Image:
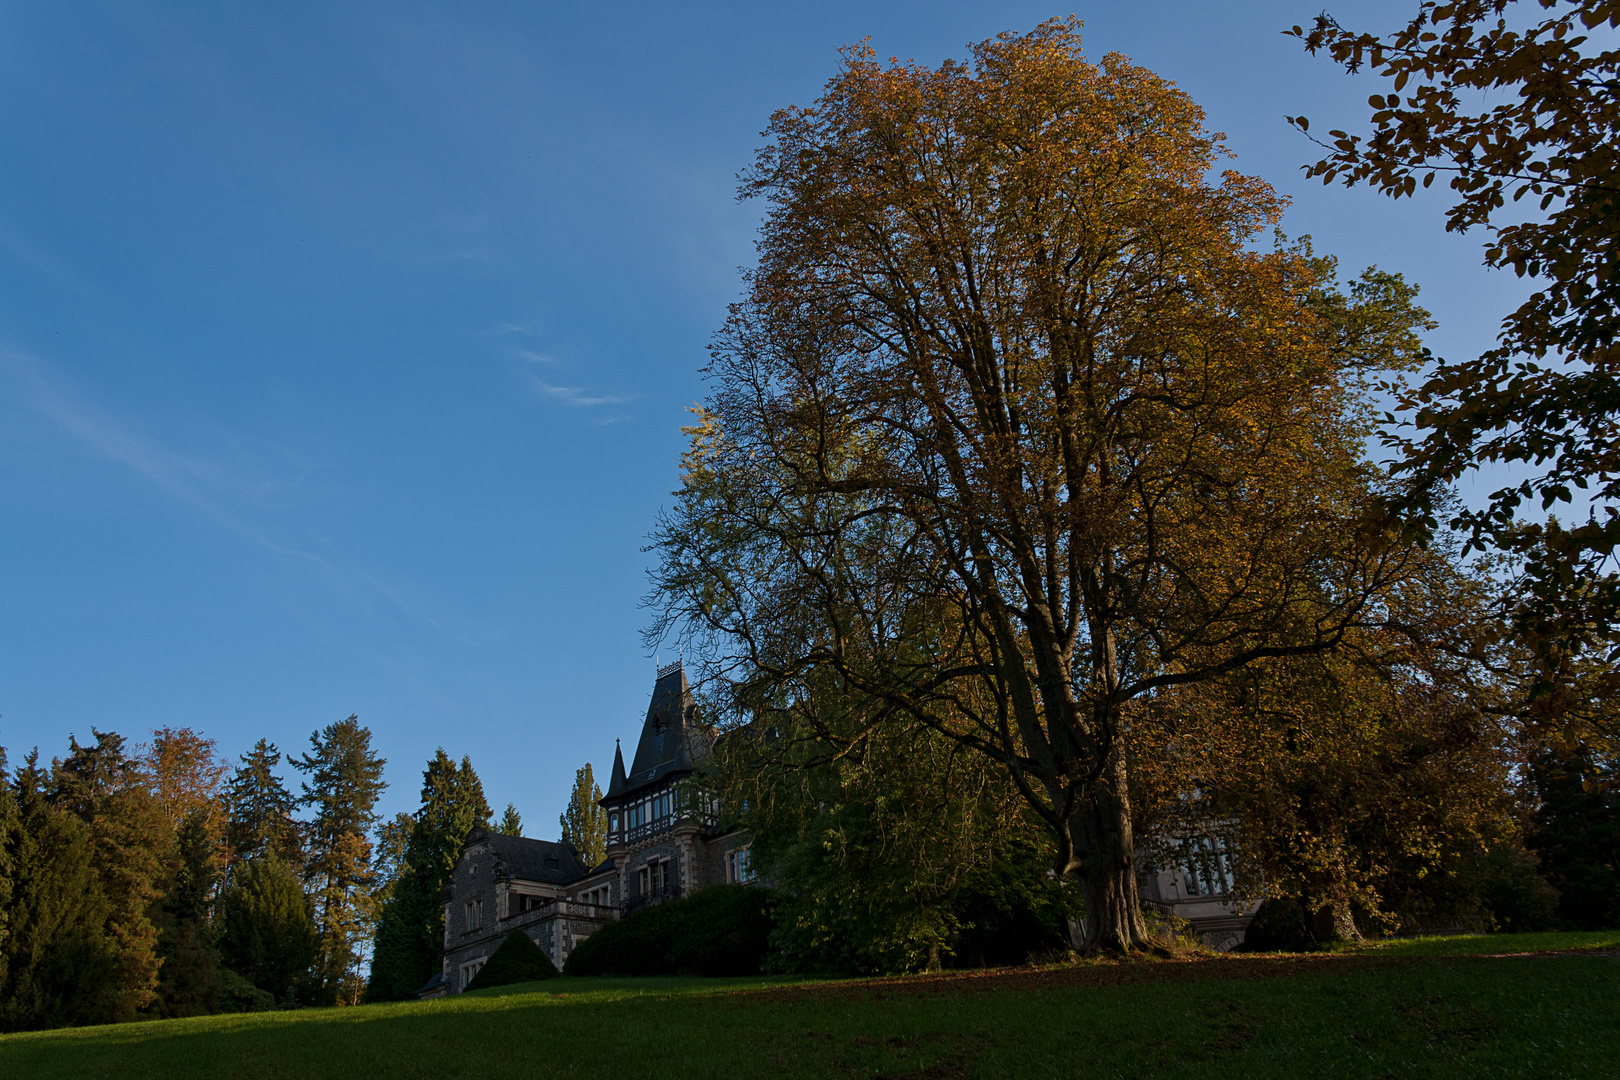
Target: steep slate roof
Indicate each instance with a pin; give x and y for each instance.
(672, 740)
(619, 782)
(534, 860)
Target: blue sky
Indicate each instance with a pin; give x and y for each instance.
(344, 347)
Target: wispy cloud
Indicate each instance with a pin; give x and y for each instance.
(533, 357)
(192, 480)
(577, 396)
(228, 497)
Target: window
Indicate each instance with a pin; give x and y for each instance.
(1205, 864)
(655, 877)
(737, 868)
(469, 969)
(613, 822)
(474, 915)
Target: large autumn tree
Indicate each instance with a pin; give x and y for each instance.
(1512, 106)
(1015, 428)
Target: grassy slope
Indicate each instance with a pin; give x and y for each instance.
(1400, 1011)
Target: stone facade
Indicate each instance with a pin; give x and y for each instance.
(1196, 885)
(503, 884)
(663, 842)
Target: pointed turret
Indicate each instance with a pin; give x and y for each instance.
(617, 785)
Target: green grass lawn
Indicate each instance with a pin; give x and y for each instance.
(1421, 1008)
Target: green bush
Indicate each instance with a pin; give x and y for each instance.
(236, 994)
(518, 960)
(1278, 926)
(719, 931)
(1515, 894)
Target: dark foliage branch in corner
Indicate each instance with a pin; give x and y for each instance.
(1508, 109)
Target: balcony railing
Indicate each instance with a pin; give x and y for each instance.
(655, 896)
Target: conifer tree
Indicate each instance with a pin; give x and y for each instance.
(343, 782)
(261, 808)
(393, 838)
(584, 824)
(1576, 833)
(189, 981)
(511, 822)
(410, 928)
(59, 964)
(267, 924)
(10, 825)
(132, 854)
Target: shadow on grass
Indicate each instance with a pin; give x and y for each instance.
(1256, 1017)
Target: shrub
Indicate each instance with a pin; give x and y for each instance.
(518, 960)
(1515, 894)
(1278, 926)
(721, 930)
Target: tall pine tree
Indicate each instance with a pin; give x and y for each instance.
(343, 779)
(585, 823)
(410, 929)
(261, 808)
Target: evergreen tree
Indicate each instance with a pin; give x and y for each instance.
(343, 782)
(267, 925)
(132, 854)
(261, 808)
(393, 838)
(59, 964)
(10, 824)
(511, 822)
(189, 980)
(410, 928)
(584, 824)
(1576, 833)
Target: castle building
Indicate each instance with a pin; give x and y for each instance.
(664, 841)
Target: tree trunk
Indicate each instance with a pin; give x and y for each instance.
(1105, 850)
(1327, 906)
